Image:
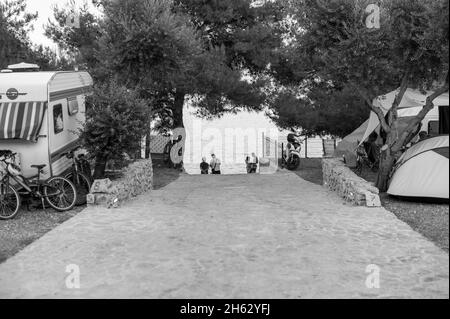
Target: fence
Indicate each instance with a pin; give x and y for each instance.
(311, 148)
(271, 149)
(157, 143)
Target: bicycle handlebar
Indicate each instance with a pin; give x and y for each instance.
(5, 154)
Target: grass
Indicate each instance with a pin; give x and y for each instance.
(311, 170)
(162, 175)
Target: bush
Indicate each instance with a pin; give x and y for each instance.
(116, 120)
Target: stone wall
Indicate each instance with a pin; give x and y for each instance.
(137, 179)
(347, 184)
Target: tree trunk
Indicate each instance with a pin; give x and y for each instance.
(100, 166)
(147, 142)
(178, 110)
(387, 160)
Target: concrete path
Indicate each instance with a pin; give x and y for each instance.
(230, 237)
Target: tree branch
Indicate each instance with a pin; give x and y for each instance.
(369, 103)
(393, 114)
(399, 97)
(419, 117)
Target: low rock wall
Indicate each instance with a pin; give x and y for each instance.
(341, 179)
(137, 179)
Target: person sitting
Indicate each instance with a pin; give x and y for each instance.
(215, 165)
(204, 167)
(423, 135)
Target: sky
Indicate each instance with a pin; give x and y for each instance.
(44, 8)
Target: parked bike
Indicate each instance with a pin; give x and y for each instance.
(58, 192)
(80, 175)
(362, 159)
(292, 160)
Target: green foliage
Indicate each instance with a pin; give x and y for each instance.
(15, 45)
(116, 120)
(147, 45)
(169, 50)
(334, 44)
(324, 110)
(249, 33)
(77, 45)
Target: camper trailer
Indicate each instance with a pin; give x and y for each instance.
(40, 114)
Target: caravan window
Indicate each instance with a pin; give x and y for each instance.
(73, 105)
(58, 119)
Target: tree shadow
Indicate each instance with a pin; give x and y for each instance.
(163, 175)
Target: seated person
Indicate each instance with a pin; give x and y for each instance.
(423, 135)
(204, 166)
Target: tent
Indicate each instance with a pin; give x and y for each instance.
(422, 171)
(350, 142)
(411, 104)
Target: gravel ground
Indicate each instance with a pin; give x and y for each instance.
(429, 219)
(27, 226)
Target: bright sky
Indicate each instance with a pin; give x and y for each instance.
(45, 10)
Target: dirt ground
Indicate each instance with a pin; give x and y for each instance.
(429, 219)
(29, 226)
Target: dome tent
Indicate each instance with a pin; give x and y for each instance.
(423, 170)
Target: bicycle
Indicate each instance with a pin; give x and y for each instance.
(362, 159)
(57, 191)
(80, 175)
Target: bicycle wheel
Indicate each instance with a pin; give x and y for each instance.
(60, 193)
(9, 201)
(82, 184)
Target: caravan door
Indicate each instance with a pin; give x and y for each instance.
(66, 114)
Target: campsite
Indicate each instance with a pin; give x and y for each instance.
(235, 149)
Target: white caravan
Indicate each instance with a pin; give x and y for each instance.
(40, 114)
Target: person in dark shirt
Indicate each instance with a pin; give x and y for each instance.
(204, 166)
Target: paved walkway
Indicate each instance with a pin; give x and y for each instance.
(230, 237)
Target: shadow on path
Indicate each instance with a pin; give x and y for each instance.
(162, 175)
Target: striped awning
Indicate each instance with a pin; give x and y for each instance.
(21, 120)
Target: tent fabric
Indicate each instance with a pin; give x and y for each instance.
(350, 142)
(430, 144)
(443, 151)
(411, 104)
(423, 170)
(21, 120)
(444, 120)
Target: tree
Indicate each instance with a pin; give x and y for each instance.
(238, 37)
(173, 50)
(116, 120)
(77, 43)
(322, 110)
(15, 44)
(410, 49)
